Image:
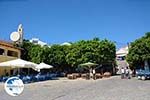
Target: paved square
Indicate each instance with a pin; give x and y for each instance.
(112, 88)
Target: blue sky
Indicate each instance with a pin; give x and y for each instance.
(58, 21)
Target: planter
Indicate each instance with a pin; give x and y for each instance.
(98, 76)
(76, 75)
(71, 76)
(83, 76)
(107, 74)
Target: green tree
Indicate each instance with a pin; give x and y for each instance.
(68, 57)
(26, 47)
(96, 51)
(37, 54)
(34, 53)
(57, 55)
(139, 51)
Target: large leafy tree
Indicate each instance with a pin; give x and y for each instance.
(68, 57)
(26, 48)
(96, 51)
(34, 53)
(56, 57)
(37, 54)
(139, 51)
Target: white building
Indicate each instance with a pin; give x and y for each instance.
(121, 58)
(66, 43)
(122, 52)
(37, 41)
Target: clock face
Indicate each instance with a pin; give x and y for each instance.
(15, 36)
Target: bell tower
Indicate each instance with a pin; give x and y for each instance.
(20, 31)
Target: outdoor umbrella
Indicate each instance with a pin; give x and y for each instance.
(43, 66)
(89, 64)
(18, 63)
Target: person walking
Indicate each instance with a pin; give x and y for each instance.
(91, 74)
(94, 74)
(127, 72)
(122, 73)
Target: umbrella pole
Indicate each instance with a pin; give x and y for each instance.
(18, 70)
(90, 72)
(28, 71)
(5, 71)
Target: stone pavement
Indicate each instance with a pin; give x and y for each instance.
(112, 88)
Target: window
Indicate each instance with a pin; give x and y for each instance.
(121, 58)
(34, 41)
(1, 51)
(12, 53)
